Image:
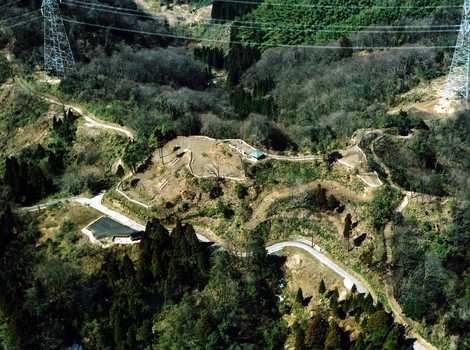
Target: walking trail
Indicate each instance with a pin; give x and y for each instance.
(91, 120)
(244, 149)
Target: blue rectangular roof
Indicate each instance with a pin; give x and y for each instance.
(257, 154)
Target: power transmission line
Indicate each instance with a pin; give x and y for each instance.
(16, 23)
(340, 6)
(19, 16)
(307, 30)
(175, 36)
(20, 23)
(345, 26)
(116, 11)
(105, 6)
(458, 80)
(251, 2)
(10, 4)
(147, 16)
(288, 28)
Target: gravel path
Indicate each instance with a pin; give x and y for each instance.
(91, 120)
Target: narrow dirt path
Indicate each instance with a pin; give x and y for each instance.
(404, 203)
(91, 120)
(143, 205)
(245, 148)
(94, 122)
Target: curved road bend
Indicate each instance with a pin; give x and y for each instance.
(97, 204)
(348, 279)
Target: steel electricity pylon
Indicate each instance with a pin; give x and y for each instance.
(457, 86)
(58, 56)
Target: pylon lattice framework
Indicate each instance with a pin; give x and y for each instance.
(458, 78)
(58, 57)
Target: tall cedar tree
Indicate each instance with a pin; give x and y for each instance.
(347, 229)
(154, 250)
(187, 267)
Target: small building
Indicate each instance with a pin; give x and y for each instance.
(106, 231)
(256, 154)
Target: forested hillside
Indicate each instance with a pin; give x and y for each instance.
(263, 78)
(307, 22)
(108, 70)
(169, 293)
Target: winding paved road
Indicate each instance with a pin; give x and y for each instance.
(96, 202)
(51, 203)
(348, 279)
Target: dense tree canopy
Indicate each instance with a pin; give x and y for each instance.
(173, 291)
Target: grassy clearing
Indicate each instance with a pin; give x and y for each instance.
(51, 220)
(312, 228)
(269, 175)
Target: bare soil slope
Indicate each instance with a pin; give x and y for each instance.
(200, 156)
